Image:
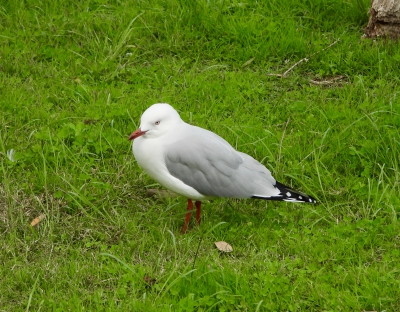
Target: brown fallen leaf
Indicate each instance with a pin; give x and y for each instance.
(149, 280)
(224, 246)
(37, 220)
(89, 121)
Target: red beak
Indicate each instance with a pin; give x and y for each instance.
(136, 134)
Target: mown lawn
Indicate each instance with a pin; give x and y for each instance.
(75, 79)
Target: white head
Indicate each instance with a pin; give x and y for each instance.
(156, 121)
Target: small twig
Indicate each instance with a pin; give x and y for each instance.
(326, 82)
(197, 252)
(321, 83)
(333, 43)
(297, 63)
(280, 143)
(303, 60)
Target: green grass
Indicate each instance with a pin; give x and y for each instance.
(75, 79)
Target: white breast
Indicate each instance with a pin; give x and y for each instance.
(150, 158)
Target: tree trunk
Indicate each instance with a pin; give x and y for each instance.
(384, 20)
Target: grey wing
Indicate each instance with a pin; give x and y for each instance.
(211, 166)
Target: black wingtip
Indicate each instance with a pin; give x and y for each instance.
(287, 194)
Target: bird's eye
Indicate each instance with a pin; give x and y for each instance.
(157, 123)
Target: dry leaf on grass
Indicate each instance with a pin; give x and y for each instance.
(90, 121)
(37, 220)
(149, 280)
(224, 246)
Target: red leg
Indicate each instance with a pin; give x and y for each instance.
(198, 211)
(188, 215)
